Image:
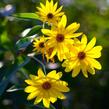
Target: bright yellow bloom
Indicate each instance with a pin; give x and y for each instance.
(49, 12)
(60, 38)
(39, 45)
(46, 88)
(83, 57)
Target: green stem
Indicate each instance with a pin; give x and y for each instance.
(43, 26)
(41, 64)
(23, 72)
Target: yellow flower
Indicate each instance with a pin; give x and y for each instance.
(49, 12)
(60, 37)
(46, 88)
(83, 57)
(39, 45)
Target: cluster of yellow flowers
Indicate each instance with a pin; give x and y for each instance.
(60, 40)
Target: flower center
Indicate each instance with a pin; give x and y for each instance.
(41, 45)
(50, 50)
(81, 55)
(46, 85)
(50, 15)
(60, 37)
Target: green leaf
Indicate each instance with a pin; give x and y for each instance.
(23, 42)
(4, 37)
(34, 30)
(6, 80)
(27, 15)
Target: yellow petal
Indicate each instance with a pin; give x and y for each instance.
(73, 35)
(95, 64)
(51, 43)
(75, 71)
(63, 22)
(91, 44)
(59, 14)
(30, 89)
(55, 7)
(77, 34)
(59, 55)
(95, 52)
(33, 77)
(61, 52)
(84, 71)
(61, 96)
(91, 70)
(46, 32)
(58, 10)
(71, 65)
(30, 82)
(37, 100)
(64, 46)
(32, 95)
(61, 86)
(46, 102)
(59, 75)
(40, 10)
(40, 73)
(69, 42)
(42, 6)
(47, 6)
(73, 27)
(57, 94)
(64, 63)
(67, 69)
(53, 74)
(52, 99)
(76, 41)
(51, 5)
(84, 68)
(84, 41)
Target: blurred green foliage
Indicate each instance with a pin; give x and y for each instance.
(91, 93)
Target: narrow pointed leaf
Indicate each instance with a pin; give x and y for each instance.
(27, 15)
(23, 43)
(34, 30)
